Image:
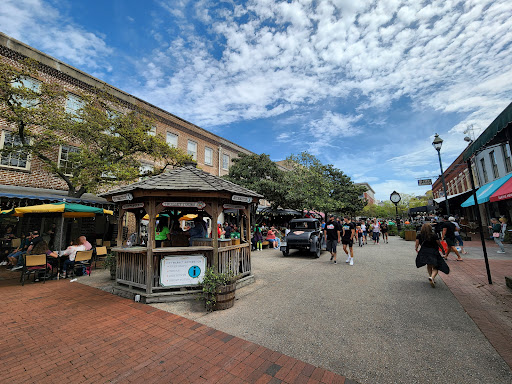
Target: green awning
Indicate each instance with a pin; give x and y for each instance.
(500, 123)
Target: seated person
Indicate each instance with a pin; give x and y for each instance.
(16, 257)
(271, 238)
(162, 233)
(42, 248)
(83, 241)
(198, 231)
(71, 252)
(235, 233)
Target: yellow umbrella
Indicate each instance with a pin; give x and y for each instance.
(188, 217)
(147, 216)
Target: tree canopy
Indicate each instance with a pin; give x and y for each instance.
(103, 140)
(306, 184)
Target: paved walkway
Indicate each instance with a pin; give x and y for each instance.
(71, 333)
(378, 321)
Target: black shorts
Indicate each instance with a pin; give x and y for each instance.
(450, 242)
(348, 242)
(331, 246)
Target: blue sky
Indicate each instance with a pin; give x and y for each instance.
(364, 85)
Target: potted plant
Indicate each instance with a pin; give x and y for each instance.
(111, 262)
(218, 290)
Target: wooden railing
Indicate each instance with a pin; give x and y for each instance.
(235, 259)
(131, 268)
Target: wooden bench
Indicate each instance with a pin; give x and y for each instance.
(265, 244)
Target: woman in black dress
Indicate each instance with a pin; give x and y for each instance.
(428, 253)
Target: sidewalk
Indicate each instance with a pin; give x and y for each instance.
(69, 332)
(490, 306)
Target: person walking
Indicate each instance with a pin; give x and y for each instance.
(257, 238)
(428, 253)
(384, 231)
(332, 234)
(458, 237)
(359, 234)
(363, 228)
(347, 239)
(497, 234)
(448, 235)
(375, 231)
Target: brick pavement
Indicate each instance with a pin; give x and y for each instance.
(490, 306)
(69, 332)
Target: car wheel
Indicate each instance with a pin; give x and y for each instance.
(318, 250)
(286, 252)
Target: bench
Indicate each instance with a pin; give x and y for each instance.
(265, 244)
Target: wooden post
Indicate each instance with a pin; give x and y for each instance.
(241, 224)
(120, 227)
(151, 210)
(248, 221)
(215, 235)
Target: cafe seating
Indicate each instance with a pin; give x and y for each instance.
(15, 243)
(35, 264)
(100, 252)
(82, 259)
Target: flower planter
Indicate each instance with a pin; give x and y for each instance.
(225, 297)
(410, 235)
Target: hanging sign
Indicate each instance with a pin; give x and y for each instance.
(133, 206)
(182, 270)
(243, 199)
(233, 206)
(425, 182)
(184, 204)
(123, 197)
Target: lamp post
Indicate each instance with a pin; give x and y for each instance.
(438, 143)
(395, 199)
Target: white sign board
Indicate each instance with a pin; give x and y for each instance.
(184, 204)
(243, 199)
(425, 182)
(123, 197)
(182, 270)
(133, 206)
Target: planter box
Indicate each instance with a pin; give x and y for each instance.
(410, 235)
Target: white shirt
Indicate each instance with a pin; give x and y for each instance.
(72, 250)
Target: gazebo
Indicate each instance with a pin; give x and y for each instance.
(171, 272)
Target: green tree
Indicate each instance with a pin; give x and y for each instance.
(260, 174)
(105, 140)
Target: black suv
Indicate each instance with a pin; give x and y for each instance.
(305, 234)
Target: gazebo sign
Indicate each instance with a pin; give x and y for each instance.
(425, 182)
(133, 206)
(243, 199)
(123, 197)
(182, 270)
(184, 204)
(233, 206)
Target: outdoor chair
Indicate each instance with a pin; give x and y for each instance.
(15, 243)
(106, 244)
(82, 259)
(100, 252)
(99, 242)
(35, 264)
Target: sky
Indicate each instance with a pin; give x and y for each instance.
(362, 85)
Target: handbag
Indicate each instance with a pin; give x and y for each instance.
(496, 234)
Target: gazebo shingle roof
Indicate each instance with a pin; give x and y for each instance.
(187, 178)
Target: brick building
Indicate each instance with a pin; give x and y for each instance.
(369, 194)
(212, 153)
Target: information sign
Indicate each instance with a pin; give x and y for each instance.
(243, 199)
(233, 206)
(123, 197)
(133, 206)
(184, 204)
(182, 270)
(425, 182)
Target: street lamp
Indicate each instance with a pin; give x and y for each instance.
(438, 143)
(395, 199)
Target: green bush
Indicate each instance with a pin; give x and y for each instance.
(402, 234)
(392, 231)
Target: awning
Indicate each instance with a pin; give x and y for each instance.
(67, 209)
(500, 123)
(441, 199)
(44, 194)
(504, 193)
(424, 208)
(486, 191)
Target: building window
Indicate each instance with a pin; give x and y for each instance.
(172, 140)
(30, 84)
(506, 157)
(225, 161)
(192, 149)
(74, 104)
(16, 159)
(484, 171)
(208, 156)
(65, 161)
(495, 172)
(152, 131)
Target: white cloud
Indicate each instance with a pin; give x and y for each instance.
(39, 24)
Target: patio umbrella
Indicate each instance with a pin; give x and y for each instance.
(68, 210)
(190, 216)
